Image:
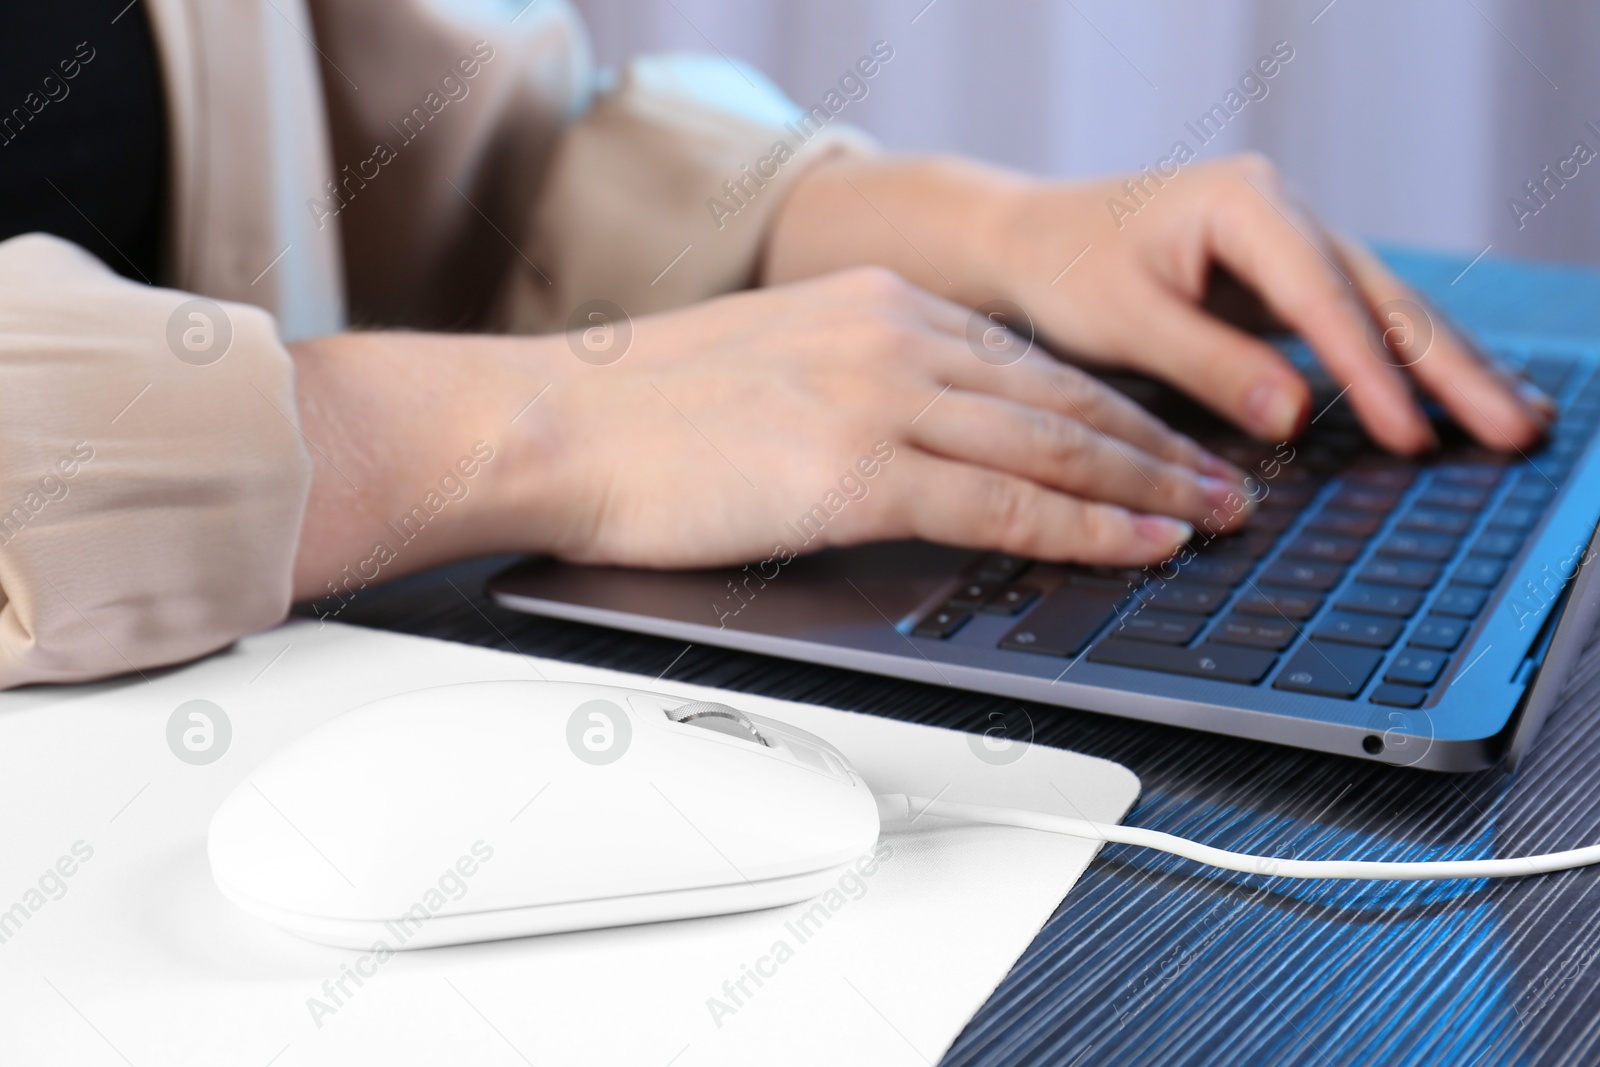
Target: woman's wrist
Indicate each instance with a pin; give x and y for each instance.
(418, 445)
(938, 221)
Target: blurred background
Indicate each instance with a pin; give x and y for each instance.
(1413, 123)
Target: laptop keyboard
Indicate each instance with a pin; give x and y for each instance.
(1359, 575)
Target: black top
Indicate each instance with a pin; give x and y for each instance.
(83, 130)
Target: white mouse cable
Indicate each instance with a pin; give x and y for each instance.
(897, 807)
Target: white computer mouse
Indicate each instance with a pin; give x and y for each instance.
(501, 809)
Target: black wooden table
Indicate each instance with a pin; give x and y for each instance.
(1152, 959)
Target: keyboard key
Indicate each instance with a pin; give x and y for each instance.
(1428, 547)
(1326, 456)
(1567, 442)
(1222, 570)
(1459, 497)
(1000, 567)
(1416, 666)
(1252, 544)
(1257, 631)
(1274, 519)
(972, 595)
(1436, 520)
(1165, 627)
(1301, 574)
(941, 623)
(1328, 548)
(1399, 696)
(1369, 630)
(1458, 447)
(1380, 474)
(1410, 573)
(1122, 579)
(1549, 373)
(1219, 662)
(1479, 570)
(1064, 621)
(1461, 600)
(1283, 603)
(1293, 474)
(1481, 475)
(1291, 495)
(1497, 544)
(1328, 669)
(1364, 498)
(1515, 518)
(1531, 491)
(1440, 632)
(1011, 600)
(1345, 523)
(1397, 603)
(1195, 598)
(1554, 468)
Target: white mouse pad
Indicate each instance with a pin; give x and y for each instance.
(116, 947)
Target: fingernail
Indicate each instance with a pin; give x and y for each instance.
(1220, 492)
(1538, 399)
(1273, 409)
(1226, 496)
(1160, 530)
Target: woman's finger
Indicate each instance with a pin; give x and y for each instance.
(956, 503)
(1066, 454)
(954, 344)
(1495, 408)
(1040, 380)
(1241, 377)
(1259, 234)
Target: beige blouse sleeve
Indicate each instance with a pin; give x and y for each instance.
(153, 477)
(662, 193)
(540, 180)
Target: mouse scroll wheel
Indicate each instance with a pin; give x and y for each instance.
(719, 718)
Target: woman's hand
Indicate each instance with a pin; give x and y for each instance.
(845, 409)
(1115, 272)
(727, 425)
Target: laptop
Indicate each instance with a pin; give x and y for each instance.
(1417, 612)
